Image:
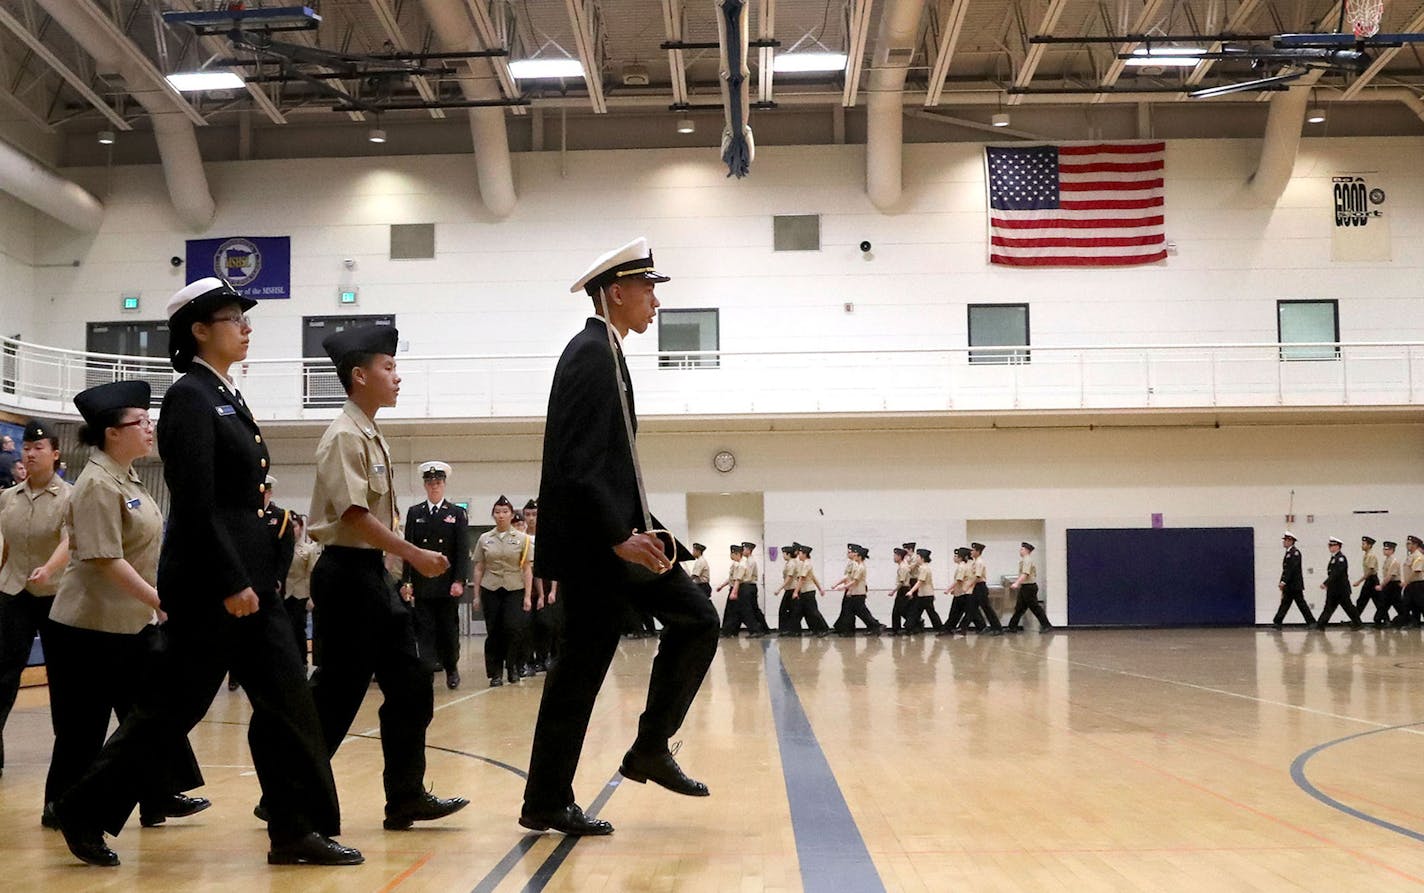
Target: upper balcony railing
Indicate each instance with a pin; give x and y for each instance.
(43, 380)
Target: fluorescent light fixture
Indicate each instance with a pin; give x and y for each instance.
(534, 69)
(1000, 119)
(198, 81)
(794, 62)
(377, 135)
(686, 125)
(1166, 57)
(106, 137)
(1316, 115)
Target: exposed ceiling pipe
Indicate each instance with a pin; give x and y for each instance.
(1281, 143)
(884, 108)
(493, 166)
(173, 131)
(43, 189)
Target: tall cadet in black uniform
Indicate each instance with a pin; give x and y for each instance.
(591, 531)
(217, 581)
(443, 527)
(1337, 588)
(1292, 584)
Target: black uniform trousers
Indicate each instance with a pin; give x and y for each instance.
(741, 611)
(1028, 602)
(964, 611)
(704, 586)
(901, 608)
(981, 600)
(546, 627)
(1411, 602)
(1293, 597)
(1338, 597)
(1370, 591)
(810, 608)
(365, 630)
(296, 609)
(22, 616)
(506, 631)
(853, 606)
(284, 735)
(593, 611)
(437, 629)
(788, 614)
(1392, 594)
(920, 605)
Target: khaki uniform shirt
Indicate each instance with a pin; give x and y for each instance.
(914, 561)
(31, 525)
(1414, 568)
(1391, 569)
(304, 558)
(701, 570)
(1370, 562)
(753, 571)
(856, 575)
(926, 578)
(1028, 570)
(353, 468)
(979, 569)
(964, 577)
(902, 574)
(807, 572)
(504, 556)
(737, 571)
(110, 515)
(788, 574)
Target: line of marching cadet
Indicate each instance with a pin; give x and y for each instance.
(1392, 585)
(914, 593)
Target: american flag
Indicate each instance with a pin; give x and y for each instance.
(1097, 205)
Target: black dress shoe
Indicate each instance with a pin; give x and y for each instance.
(570, 820)
(174, 807)
(452, 679)
(496, 681)
(660, 769)
(261, 812)
(47, 817)
(86, 842)
(314, 849)
(511, 674)
(424, 808)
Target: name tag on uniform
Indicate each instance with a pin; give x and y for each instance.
(226, 409)
(134, 503)
(378, 469)
(420, 520)
(450, 519)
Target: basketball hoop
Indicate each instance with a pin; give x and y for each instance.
(1365, 16)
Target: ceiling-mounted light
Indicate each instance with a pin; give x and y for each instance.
(1316, 115)
(376, 135)
(1166, 57)
(106, 137)
(198, 81)
(1000, 119)
(794, 62)
(534, 69)
(686, 125)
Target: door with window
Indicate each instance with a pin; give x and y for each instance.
(128, 338)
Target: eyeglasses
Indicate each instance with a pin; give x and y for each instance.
(241, 320)
(145, 423)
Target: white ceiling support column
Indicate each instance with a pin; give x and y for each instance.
(1383, 57)
(1145, 18)
(391, 26)
(493, 166)
(173, 118)
(43, 189)
(859, 32)
(582, 18)
(1281, 142)
(884, 110)
(951, 24)
(677, 67)
(1024, 77)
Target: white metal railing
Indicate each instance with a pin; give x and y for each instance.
(43, 380)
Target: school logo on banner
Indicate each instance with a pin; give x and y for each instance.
(1360, 225)
(258, 267)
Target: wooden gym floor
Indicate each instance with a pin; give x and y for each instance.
(1087, 760)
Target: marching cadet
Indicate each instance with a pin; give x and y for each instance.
(734, 613)
(217, 579)
(1390, 586)
(853, 602)
(440, 526)
(1369, 583)
(788, 613)
(505, 574)
(751, 590)
(1292, 584)
(546, 620)
(901, 592)
(921, 596)
(1027, 586)
(981, 590)
(364, 628)
(297, 592)
(279, 529)
(36, 550)
(808, 589)
(963, 609)
(1337, 588)
(701, 572)
(1411, 600)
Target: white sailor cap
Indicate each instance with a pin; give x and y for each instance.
(434, 469)
(632, 260)
(207, 290)
(271, 481)
(1288, 536)
(1335, 541)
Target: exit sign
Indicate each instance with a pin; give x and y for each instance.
(130, 302)
(348, 295)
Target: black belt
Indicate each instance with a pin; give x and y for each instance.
(354, 553)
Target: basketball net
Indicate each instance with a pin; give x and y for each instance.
(1365, 16)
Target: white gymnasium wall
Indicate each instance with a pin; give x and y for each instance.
(17, 273)
(501, 286)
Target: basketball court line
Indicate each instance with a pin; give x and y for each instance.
(1297, 771)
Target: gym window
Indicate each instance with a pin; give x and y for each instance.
(1314, 323)
(686, 330)
(996, 325)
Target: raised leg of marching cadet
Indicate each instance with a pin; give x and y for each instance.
(1293, 597)
(1028, 601)
(1387, 600)
(1344, 603)
(981, 600)
(1369, 592)
(927, 607)
(788, 615)
(845, 620)
(811, 610)
(859, 608)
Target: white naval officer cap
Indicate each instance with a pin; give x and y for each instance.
(208, 290)
(1335, 541)
(1288, 536)
(632, 260)
(434, 469)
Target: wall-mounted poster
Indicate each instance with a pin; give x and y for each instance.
(1360, 226)
(259, 267)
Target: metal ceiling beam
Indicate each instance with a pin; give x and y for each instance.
(391, 26)
(858, 33)
(494, 38)
(581, 19)
(766, 28)
(951, 24)
(126, 47)
(64, 71)
(1145, 17)
(1243, 14)
(1024, 77)
(215, 45)
(1384, 58)
(672, 27)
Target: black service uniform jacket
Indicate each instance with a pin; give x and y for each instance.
(588, 494)
(445, 530)
(284, 541)
(216, 464)
(1337, 575)
(1291, 576)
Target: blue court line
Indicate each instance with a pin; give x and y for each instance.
(1297, 772)
(829, 847)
